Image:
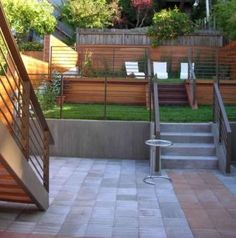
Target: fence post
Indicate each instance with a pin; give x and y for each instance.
(61, 95)
(25, 118)
(113, 62)
(46, 160)
(105, 99)
(217, 67)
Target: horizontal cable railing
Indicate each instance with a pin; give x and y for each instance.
(223, 126)
(19, 107)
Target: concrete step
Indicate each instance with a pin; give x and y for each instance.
(190, 149)
(188, 137)
(186, 127)
(189, 162)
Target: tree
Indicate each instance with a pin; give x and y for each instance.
(88, 14)
(168, 24)
(225, 12)
(30, 15)
(142, 9)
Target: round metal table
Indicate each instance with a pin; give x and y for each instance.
(153, 143)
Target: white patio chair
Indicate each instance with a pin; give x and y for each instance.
(132, 68)
(160, 70)
(71, 72)
(184, 70)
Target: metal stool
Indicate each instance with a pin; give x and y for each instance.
(153, 143)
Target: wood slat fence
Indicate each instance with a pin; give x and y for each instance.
(139, 37)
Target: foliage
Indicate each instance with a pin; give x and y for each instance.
(48, 91)
(225, 12)
(30, 46)
(169, 24)
(27, 15)
(46, 96)
(139, 13)
(56, 83)
(87, 68)
(88, 14)
(142, 9)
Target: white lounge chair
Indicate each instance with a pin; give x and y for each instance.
(132, 69)
(71, 72)
(160, 70)
(184, 70)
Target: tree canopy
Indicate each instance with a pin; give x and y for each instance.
(88, 14)
(225, 12)
(168, 24)
(27, 15)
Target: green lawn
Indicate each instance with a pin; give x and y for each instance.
(136, 113)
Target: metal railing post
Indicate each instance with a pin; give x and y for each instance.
(105, 99)
(46, 160)
(25, 118)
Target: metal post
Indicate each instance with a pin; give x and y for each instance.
(105, 99)
(46, 160)
(61, 96)
(217, 68)
(25, 118)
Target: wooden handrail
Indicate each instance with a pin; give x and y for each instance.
(22, 70)
(224, 130)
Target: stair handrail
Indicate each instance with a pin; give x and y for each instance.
(156, 119)
(20, 111)
(156, 108)
(192, 83)
(22, 70)
(223, 126)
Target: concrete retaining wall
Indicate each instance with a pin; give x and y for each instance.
(100, 139)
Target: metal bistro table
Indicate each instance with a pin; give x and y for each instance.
(156, 143)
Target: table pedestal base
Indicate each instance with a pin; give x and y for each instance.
(152, 177)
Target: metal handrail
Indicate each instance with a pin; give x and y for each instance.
(192, 83)
(222, 122)
(157, 125)
(156, 108)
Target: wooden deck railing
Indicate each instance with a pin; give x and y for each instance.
(223, 126)
(19, 107)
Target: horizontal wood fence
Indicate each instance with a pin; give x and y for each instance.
(134, 91)
(98, 90)
(139, 37)
(204, 91)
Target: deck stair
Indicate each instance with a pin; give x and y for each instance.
(172, 94)
(193, 146)
(24, 133)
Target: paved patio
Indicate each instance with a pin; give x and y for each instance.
(107, 198)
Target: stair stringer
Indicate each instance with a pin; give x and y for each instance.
(13, 160)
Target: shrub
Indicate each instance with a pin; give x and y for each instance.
(31, 46)
(225, 12)
(45, 95)
(168, 24)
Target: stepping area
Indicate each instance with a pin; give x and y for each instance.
(108, 198)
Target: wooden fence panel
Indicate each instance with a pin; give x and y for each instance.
(139, 37)
(92, 90)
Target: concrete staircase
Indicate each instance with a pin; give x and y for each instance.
(193, 146)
